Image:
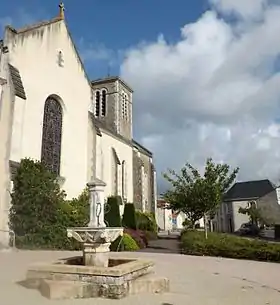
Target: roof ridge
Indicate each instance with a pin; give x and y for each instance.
(34, 26)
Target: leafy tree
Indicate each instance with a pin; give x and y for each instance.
(198, 195)
(254, 214)
(36, 198)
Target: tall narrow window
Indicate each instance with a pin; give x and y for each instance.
(123, 180)
(51, 138)
(97, 103)
(103, 102)
(124, 105)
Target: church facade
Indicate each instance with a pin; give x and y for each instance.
(80, 129)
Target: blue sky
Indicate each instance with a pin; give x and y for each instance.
(209, 87)
(103, 30)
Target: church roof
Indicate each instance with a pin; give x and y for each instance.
(33, 26)
(142, 148)
(110, 79)
(97, 129)
(38, 25)
(17, 82)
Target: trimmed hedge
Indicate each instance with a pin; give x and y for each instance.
(146, 221)
(129, 216)
(112, 216)
(225, 245)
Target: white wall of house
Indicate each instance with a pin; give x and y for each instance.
(239, 218)
(36, 54)
(164, 219)
(230, 210)
(179, 220)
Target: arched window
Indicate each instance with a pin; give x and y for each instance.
(51, 138)
(97, 103)
(103, 102)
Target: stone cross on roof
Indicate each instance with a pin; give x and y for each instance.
(61, 10)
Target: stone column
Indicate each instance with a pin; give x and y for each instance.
(96, 254)
(96, 194)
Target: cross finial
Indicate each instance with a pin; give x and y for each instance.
(61, 10)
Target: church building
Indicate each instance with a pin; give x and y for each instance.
(81, 129)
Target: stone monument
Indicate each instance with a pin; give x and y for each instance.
(96, 237)
(95, 274)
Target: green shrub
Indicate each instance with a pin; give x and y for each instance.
(124, 243)
(129, 216)
(129, 244)
(146, 221)
(39, 213)
(225, 245)
(36, 199)
(112, 215)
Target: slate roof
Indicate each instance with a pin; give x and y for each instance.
(142, 148)
(249, 190)
(116, 156)
(33, 26)
(97, 129)
(17, 82)
(110, 79)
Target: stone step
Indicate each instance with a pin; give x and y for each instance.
(149, 283)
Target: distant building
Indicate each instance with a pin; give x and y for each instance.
(261, 192)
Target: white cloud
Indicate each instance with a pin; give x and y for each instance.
(216, 92)
(243, 8)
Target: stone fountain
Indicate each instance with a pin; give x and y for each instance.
(96, 273)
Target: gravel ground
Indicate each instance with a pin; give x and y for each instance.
(194, 281)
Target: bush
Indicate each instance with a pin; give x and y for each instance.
(124, 243)
(138, 236)
(112, 216)
(129, 216)
(39, 213)
(225, 245)
(129, 244)
(36, 199)
(146, 221)
(149, 235)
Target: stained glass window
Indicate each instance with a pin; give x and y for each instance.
(51, 138)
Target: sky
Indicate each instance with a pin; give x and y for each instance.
(205, 73)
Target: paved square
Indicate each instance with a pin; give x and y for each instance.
(194, 280)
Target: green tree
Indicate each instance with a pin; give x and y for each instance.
(254, 214)
(36, 198)
(198, 195)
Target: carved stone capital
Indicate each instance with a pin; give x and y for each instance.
(95, 235)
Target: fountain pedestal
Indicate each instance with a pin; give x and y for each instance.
(96, 237)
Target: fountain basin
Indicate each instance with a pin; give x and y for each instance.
(68, 278)
(96, 243)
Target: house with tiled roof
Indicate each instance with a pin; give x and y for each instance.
(262, 193)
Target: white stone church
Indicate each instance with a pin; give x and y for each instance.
(80, 129)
